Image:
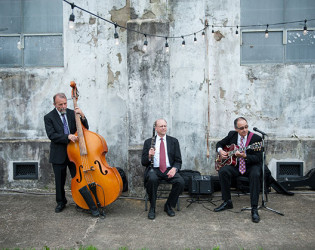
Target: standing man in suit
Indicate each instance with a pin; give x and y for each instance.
(167, 162)
(60, 128)
(249, 164)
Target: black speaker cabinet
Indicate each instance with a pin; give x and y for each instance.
(200, 185)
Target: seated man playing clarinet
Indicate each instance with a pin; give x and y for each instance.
(162, 158)
(248, 162)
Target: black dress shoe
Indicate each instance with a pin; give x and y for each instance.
(95, 212)
(168, 209)
(255, 215)
(225, 205)
(151, 214)
(60, 207)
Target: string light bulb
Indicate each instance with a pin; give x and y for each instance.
(145, 44)
(305, 28)
(195, 38)
(72, 25)
(116, 36)
(266, 32)
(71, 18)
(183, 42)
(167, 48)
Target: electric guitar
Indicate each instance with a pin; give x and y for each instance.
(231, 150)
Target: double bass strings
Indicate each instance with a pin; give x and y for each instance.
(87, 169)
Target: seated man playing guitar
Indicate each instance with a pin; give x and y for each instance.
(238, 157)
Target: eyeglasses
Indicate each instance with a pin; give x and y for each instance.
(163, 126)
(242, 128)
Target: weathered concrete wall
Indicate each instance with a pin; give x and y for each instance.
(199, 89)
(25, 151)
(148, 79)
(135, 172)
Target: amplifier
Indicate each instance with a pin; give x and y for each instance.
(200, 185)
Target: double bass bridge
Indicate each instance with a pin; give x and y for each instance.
(91, 168)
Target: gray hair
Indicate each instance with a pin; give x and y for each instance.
(60, 95)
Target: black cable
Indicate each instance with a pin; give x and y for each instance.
(136, 31)
(190, 34)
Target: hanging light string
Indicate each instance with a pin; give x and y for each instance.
(263, 25)
(136, 31)
(116, 36)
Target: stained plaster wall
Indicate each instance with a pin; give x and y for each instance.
(199, 89)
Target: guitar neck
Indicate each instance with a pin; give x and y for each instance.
(239, 150)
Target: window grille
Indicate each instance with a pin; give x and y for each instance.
(287, 170)
(25, 170)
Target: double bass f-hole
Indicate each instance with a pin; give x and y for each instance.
(100, 167)
(91, 169)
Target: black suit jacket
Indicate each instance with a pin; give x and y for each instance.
(252, 156)
(173, 153)
(59, 140)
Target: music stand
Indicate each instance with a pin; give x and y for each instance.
(263, 202)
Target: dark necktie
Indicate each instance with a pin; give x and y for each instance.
(65, 126)
(162, 157)
(242, 166)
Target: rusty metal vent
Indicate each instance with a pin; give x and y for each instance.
(289, 170)
(25, 170)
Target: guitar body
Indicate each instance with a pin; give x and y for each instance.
(231, 150)
(231, 160)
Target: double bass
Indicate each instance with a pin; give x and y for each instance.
(95, 184)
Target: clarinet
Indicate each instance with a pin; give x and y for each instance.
(153, 146)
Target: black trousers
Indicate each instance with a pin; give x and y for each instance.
(253, 172)
(60, 171)
(153, 178)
